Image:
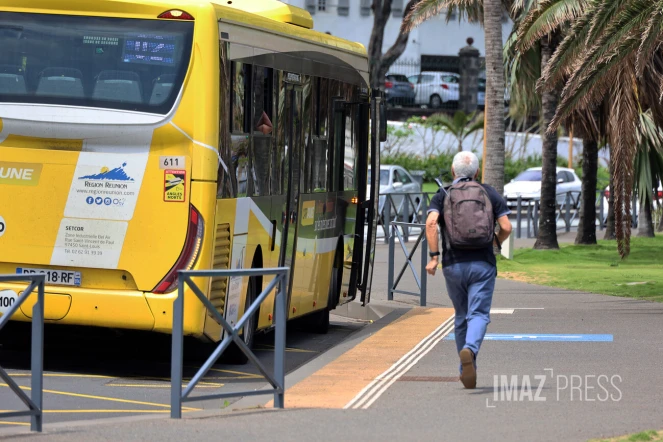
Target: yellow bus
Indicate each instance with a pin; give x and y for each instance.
(140, 138)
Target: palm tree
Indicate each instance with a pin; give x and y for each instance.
(531, 47)
(611, 54)
(648, 170)
(461, 125)
(490, 13)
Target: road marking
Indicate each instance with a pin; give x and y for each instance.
(102, 411)
(104, 398)
(14, 423)
(63, 375)
(502, 311)
(264, 347)
(375, 389)
(184, 385)
(544, 337)
(341, 380)
(244, 374)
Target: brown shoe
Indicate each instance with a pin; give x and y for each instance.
(469, 375)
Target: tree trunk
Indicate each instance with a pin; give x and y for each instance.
(547, 238)
(610, 222)
(645, 221)
(379, 62)
(494, 167)
(460, 145)
(590, 159)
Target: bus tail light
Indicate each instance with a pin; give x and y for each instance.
(176, 14)
(189, 255)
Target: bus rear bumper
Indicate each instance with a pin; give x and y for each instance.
(98, 308)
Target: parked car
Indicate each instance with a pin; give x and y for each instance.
(435, 88)
(658, 199)
(398, 90)
(527, 185)
(481, 94)
(395, 179)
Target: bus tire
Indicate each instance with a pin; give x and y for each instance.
(233, 354)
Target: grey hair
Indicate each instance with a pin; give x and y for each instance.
(465, 165)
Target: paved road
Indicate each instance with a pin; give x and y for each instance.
(109, 375)
(594, 359)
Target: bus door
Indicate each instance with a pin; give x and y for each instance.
(290, 117)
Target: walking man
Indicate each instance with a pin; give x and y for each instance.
(467, 213)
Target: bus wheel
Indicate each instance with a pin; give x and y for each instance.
(233, 353)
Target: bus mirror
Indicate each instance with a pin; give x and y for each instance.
(383, 122)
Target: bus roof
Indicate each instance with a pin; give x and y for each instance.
(272, 9)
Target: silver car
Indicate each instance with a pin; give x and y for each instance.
(396, 180)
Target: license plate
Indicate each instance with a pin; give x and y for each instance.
(57, 277)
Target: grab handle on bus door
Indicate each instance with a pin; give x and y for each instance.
(273, 235)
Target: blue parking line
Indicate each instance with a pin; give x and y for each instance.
(542, 337)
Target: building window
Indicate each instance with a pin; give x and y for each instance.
(322, 5)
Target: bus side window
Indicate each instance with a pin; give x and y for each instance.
(317, 161)
(308, 119)
(350, 152)
(262, 129)
(226, 187)
(239, 118)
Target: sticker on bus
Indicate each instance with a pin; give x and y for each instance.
(7, 299)
(174, 186)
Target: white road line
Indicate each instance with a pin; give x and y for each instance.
(412, 364)
(379, 385)
(502, 311)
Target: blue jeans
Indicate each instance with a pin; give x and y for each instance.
(470, 286)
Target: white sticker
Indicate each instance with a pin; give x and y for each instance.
(235, 283)
(7, 299)
(89, 243)
(106, 186)
(3, 226)
(172, 163)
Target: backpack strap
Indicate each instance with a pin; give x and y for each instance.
(442, 224)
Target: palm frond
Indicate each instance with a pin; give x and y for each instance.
(618, 42)
(651, 40)
(423, 11)
(567, 53)
(523, 70)
(623, 126)
(549, 16)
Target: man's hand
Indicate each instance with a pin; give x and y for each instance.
(431, 268)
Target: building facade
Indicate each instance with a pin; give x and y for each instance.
(353, 20)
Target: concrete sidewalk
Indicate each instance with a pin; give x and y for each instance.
(529, 388)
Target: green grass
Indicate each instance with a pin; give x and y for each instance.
(638, 437)
(595, 269)
(430, 188)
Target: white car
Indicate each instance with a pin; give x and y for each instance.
(435, 88)
(527, 185)
(658, 198)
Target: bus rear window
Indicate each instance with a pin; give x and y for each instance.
(110, 63)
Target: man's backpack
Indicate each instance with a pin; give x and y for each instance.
(469, 222)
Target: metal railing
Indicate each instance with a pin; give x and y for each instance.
(421, 280)
(404, 209)
(277, 380)
(408, 210)
(35, 401)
